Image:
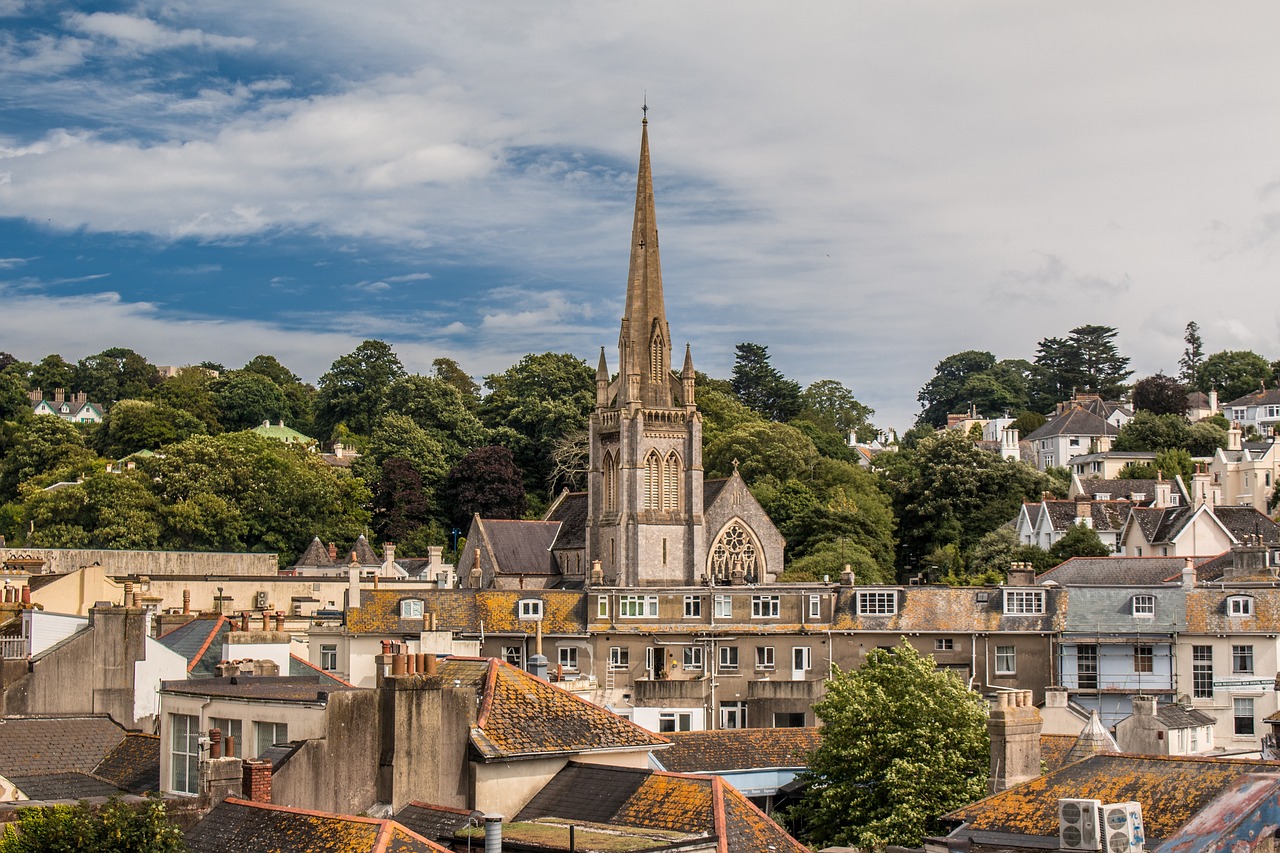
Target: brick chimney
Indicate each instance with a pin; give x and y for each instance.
(257, 780)
(1022, 574)
(333, 551)
(1084, 511)
(1015, 727)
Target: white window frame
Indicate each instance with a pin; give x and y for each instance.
(802, 658)
(602, 607)
(267, 734)
(815, 607)
(1240, 605)
(766, 606)
(764, 658)
(1144, 606)
(692, 658)
(944, 644)
(329, 657)
(568, 658)
(728, 659)
(1238, 704)
(877, 602)
(513, 655)
(1023, 602)
(1242, 659)
(724, 607)
(637, 606)
(184, 761)
(675, 721)
(530, 609)
(411, 608)
(619, 657)
(693, 607)
(1006, 660)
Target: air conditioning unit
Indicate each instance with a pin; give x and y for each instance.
(1122, 827)
(260, 601)
(1078, 824)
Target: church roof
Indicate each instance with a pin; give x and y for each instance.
(571, 510)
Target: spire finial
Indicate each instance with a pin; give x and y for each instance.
(645, 108)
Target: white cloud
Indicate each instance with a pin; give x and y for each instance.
(145, 35)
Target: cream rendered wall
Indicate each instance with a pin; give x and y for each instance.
(506, 787)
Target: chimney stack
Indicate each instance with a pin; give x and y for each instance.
(333, 552)
(186, 601)
(1014, 726)
(1144, 706)
(257, 780)
(1022, 574)
(1189, 573)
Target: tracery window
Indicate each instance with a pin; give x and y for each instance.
(652, 481)
(610, 483)
(735, 552)
(671, 482)
(656, 352)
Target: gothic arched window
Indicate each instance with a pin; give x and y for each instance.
(610, 483)
(652, 481)
(671, 482)
(657, 369)
(736, 552)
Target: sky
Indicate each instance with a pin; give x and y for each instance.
(864, 188)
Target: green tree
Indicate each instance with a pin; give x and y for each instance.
(449, 371)
(946, 490)
(1027, 422)
(352, 391)
(398, 437)
(1137, 471)
(400, 504)
(51, 373)
(116, 511)
(1175, 461)
(42, 446)
(117, 827)
(1161, 395)
(270, 367)
(536, 401)
(993, 553)
(1086, 361)
(1205, 437)
(1149, 431)
(945, 392)
(190, 391)
(114, 374)
(133, 425)
(903, 743)
(1079, 541)
(299, 397)
(1234, 373)
(439, 408)
(721, 412)
(246, 400)
(13, 395)
(1192, 356)
(832, 406)
(762, 387)
(760, 448)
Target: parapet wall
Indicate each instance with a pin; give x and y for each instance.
(64, 560)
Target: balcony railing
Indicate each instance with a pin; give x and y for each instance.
(15, 648)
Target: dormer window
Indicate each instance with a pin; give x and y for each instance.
(1102, 496)
(1240, 605)
(1144, 605)
(1023, 602)
(530, 608)
(411, 608)
(878, 603)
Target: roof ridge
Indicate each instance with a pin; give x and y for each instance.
(718, 818)
(310, 665)
(208, 641)
(490, 688)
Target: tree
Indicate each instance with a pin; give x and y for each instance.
(133, 425)
(398, 437)
(270, 367)
(400, 504)
(944, 393)
(1233, 373)
(536, 401)
(832, 406)
(448, 370)
(42, 446)
(441, 410)
(946, 489)
(13, 396)
(1149, 432)
(1161, 395)
(51, 373)
(352, 391)
(1137, 471)
(486, 481)
(992, 554)
(117, 827)
(1205, 438)
(1027, 422)
(760, 448)
(762, 387)
(1086, 361)
(1192, 356)
(190, 391)
(246, 400)
(114, 374)
(1079, 541)
(1176, 461)
(902, 743)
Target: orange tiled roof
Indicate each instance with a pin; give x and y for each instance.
(738, 749)
(1171, 790)
(466, 609)
(241, 826)
(521, 715)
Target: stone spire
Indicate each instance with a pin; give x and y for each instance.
(644, 343)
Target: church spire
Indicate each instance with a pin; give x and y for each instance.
(644, 342)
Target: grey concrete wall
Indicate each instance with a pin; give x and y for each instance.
(426, 729)
(92, 672)
(338, 773)
(62, 560)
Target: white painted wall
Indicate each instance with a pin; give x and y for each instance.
(161, 664)
(48, 629)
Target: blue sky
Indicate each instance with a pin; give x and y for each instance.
(863, 187)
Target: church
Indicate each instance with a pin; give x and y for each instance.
(648, 517)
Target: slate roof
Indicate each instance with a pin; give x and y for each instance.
(200, 642)
(1075, 422)
(1171, 789)
(522, 715)
(437, 823)
(1054, 749)
(1106, 515)
(563, 611)
(71, 757)
(571, 511)
(1207, 611)
(711, 490)
(517, 547)
(1094, 739)
(1117, 571)
(239, 826)
(696, 805)
(944, 608)
(1264, 397)
(1182, 717)
(299, 667)
(738, 749)
(1126, 489)
(270, 688)
(1245, 812)
(1242, 521)
(316, 554)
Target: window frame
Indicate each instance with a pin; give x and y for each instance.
(260, 728)
(1201, 669)
(530, 609)
(411, 608)
(184, 754)
(1144, 659)
(1240, 606)
(765, 658)
(619, 658)
(675, 721)
(727, 658)
(1023, 602)
(1091, 673)
(815, 606)
(805, 656)
(1242, 657)
(329, 657)
(1144, 606)
(693, 607)
(944, 644)
(637, 606)
(602, 607)
(567, 658)
(723, 607)
(692, 659)
(877, 602)
(1239, 724)
(1006, 662)
(766, 606)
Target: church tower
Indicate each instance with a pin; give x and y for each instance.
(645, 489)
